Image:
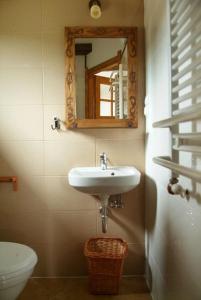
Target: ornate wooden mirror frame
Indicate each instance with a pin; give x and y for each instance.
(101, 32)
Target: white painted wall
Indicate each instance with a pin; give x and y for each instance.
(173, 224)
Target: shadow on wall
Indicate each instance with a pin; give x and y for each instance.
(151, 203)
(178, 266)
(150, 220)
(128, 223)
(174, 259)
(130, 219)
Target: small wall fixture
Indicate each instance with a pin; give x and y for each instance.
(56, 124)
(174, 188)
(12, 179)
(95, 9)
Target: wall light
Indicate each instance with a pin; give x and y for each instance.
(95, 9)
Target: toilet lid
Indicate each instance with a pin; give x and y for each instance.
(15, 256)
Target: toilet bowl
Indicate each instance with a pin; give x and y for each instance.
(17, 263)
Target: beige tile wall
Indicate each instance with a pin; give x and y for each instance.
(46, 213)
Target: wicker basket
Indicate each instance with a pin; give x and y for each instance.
(105, 264)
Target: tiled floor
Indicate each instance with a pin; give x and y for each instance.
(75, 289)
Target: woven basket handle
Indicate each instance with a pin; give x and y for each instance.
(126, 248)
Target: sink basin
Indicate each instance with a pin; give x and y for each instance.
(95, 181)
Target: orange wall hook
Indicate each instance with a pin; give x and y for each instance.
(12, 179)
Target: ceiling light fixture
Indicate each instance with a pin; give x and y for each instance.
(95, 9)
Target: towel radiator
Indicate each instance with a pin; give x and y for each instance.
(185, 28)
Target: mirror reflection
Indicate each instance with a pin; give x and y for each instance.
(101, 78)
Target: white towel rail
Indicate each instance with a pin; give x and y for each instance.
(178, 169)
(187, 69)
(185, 85)
(187, 109)
(194, 93)
(180, 37)
(188, 136)
(188, 148)
(191, 114)
(175, 6)
(184, 18)
(177, 10)
(121, 112)
(192, 51)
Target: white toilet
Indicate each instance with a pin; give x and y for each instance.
(17, 263)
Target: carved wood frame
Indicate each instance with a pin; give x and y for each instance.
(101, 32)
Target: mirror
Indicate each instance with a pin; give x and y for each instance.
(101, 77)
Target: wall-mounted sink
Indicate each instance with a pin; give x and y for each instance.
(95, 181)
(104, 181)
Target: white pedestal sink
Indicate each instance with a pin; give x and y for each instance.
(95, 181)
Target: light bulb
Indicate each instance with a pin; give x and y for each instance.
(95, 9)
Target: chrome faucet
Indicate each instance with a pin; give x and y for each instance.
(103, 161)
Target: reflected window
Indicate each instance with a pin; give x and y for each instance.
(105, 101)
